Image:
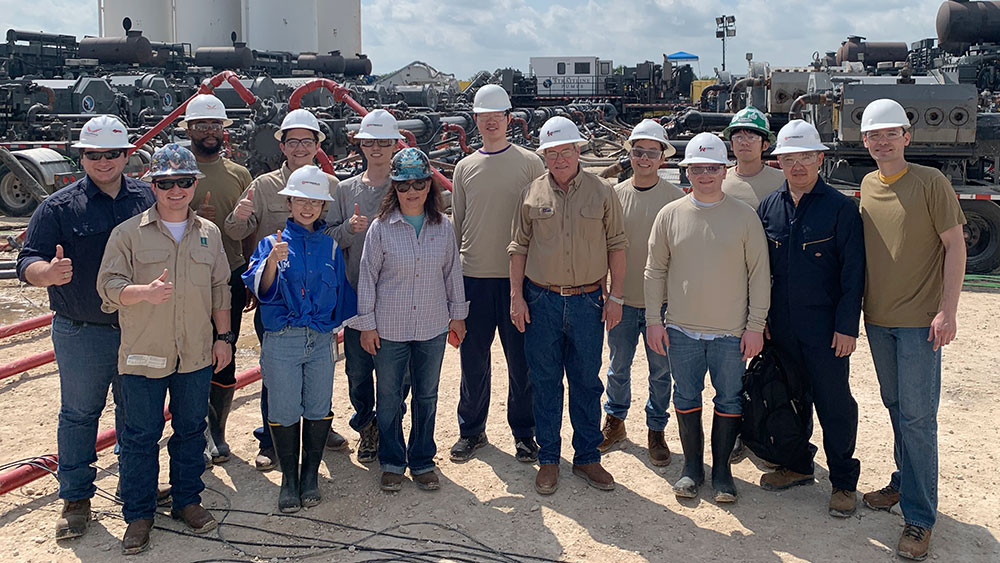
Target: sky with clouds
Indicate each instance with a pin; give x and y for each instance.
(464, 37)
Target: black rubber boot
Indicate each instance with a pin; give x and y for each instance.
(286, 446)
(693, 445)
(314, 433)
(725, 429)
(220, 402)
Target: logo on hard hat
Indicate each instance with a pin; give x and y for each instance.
(702, 149)
(211, 106)
(310, 182)
(374, 124)
(116, 130)
(794, 137)
(93, 131)
(553, 132)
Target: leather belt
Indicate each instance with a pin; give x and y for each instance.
(569, 290)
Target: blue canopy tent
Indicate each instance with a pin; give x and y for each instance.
(680, 56)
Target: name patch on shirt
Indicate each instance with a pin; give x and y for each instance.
(155, 362)
(204, 241)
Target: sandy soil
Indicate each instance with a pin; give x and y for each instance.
(491, 498)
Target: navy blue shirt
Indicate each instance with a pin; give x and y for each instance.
(817, 252)
(80, 217)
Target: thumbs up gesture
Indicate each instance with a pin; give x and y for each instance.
(60, 268)
(280, 250)
(244, 208)
(159, 290)
(358, 221)
(205, 209)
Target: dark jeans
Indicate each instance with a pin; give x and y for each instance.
(262, 433)
(565, 337)
(622, 341)
(359, 366)
(238, 300)
(489, 312)
(826, 384)
(142, 410)
(87, 356)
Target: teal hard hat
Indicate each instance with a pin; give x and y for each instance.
(410, 164)
(172, 160)
(749, 118)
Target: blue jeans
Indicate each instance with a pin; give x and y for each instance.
(359, 367)
(909, 377)
(424, 361)
(622, 340)
(262, 433)
(690, 359)
(297, 366)
(142, 410)
(565, 336)
(87, 356)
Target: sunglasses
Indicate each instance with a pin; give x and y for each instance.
(418, 185)
(381, 142)
(165, 185)
(201, 126)
(651, 154)
(109, 155)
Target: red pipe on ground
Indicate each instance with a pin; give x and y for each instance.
(26, 363)
(25, 326)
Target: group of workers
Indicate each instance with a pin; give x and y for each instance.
(148, 287)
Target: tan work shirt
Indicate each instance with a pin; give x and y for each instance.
(175, 336)
(226, 180)
(270, 210)
(567, 235)
(752, 189)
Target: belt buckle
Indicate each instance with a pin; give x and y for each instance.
(566, 291)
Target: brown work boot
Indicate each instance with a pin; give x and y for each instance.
(72, 523)
(136, 538)
(547, 480)
(843, 503)
(196, 517)
(427, 481)
(614, 432)
(391, 482)
(335, 442)
(914, 543)
(784, 478)
(882, 499)
(595, 476)
(659, 453)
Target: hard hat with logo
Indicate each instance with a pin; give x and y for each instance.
(749, 118)
(705, 148)
(884, 114)
(103, 132)
(652, 130)
(410, 164)
(172, 160)
(557, 131)
(309, 182)
(798, 136)
(205, 106)
(300, 119)
(378, 124)
(491, 98)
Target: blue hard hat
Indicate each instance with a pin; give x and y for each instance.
(410, 164)
(173, 160)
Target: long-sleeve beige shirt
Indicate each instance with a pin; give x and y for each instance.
(174, 336)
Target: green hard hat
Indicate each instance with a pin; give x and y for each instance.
(749, 118)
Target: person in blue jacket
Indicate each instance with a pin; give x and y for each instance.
(817, 252)
(300, 278)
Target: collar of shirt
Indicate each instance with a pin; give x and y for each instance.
(129, 186)
(151, 216)
(819, 188)
(573, 183)
(294, 229)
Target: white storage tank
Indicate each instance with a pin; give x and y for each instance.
(281, 26)
(206, 23)
(339, 26)
(151, 17)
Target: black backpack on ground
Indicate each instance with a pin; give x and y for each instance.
(773, 417)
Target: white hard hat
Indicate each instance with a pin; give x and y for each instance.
(309, 182)
(705, 148)
(205, 106)
(652, 130)
(300, 119)
(103, 132)
(378, 124)
(884, 114)
(491, 98)
(798, 136)
(557, 131)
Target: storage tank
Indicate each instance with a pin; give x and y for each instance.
(281, 26)
(151, 17)
(339, 26)
(967, 22)
(874, 52)
(224, 58)
(206, 23)
(133, 48)
(332, 63)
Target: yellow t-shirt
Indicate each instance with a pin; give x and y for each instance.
(903, 221)
(752, 189)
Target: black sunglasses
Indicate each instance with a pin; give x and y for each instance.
(419, 185)
(164, 185)
(110, 155)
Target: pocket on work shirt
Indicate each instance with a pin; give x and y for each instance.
(150, 263)
(201, 267)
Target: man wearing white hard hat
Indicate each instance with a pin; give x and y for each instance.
(261, 212)
(487, 184)
(66, 234)
(916, 253)
(749, 134)
(215, 197)
(568, 233)
(642, 196)
(708, 255)
(817, 255)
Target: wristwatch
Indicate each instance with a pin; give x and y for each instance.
(617, 300)
(227, 337)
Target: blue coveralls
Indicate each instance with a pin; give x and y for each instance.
(817, 253)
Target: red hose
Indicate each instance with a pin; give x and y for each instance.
(461, 135)
(26, 363)
(24, 326)
(411, 139)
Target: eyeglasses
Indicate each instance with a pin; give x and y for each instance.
(381, 142)
(884, 135)
(806, 159)
(165, 185)
(306, 202)
(491, 116)
(704, 169)
(296, 143)
(109, 154)
(419, 185)
(205, 126)
(565, 153)
(744, 137)
(651, 154)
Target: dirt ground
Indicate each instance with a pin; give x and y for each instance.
(487, 509)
